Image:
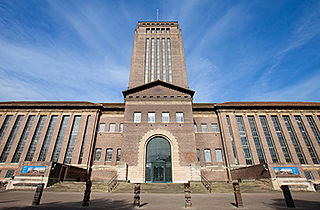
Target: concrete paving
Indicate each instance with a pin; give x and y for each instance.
(72, 200)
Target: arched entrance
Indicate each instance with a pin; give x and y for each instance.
(158, 160)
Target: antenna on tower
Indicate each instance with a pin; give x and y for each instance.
(157, 14)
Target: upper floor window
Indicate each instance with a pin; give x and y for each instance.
(195, 128)
(165, 117)
(118, 154)
(218, 155)
(308, 175)
(198, 155)
(137, 117)
(179, 117)
(109, 155)
(102, 127)
(97, 154)
(151, 117)
(121, 127)
(204, 127)
(112, 127)
(214, 127)
(9, 174)
(207, 155)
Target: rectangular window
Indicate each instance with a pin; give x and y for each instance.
(146, 74)
(281, 139)
(198, 155)
(214, 127)
(163, 61)
(102, 127)
(294, 140)
(112, 127)
(219, 155)
(121, 127)
(307, 140)
(35, 138)
(158, 58)
(314, 128)
(269, 140)
(309, 175)
(204, 128)
(5, 126)
(109, 155)
(137, 117)
(23, 139)
(9, 174)
(179, 117)
(97, 154)
(8, 145)
(152, 61)
(84, 140)
(72, 139)
(244, 141)
(232, 141)
(118, 154)
(256, 139)
(165, 117)
(207, 155)
(58, 144)
(195, 128)
(169, 61)
(47, 139)
(151, 117)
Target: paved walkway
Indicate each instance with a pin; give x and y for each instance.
(72, 200)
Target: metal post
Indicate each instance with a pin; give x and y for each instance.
(237, 194)
(287, 196)
(136, 201)
(38, 194)
(187, 195)
(87, 192)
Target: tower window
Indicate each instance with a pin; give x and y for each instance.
(102, 126)
(165, 117)
(137, 117)
(112, 127)
(151, 117)
(204, 127)
(146, 73)
(214, 127)
(179, 117)
(207, 155)
(121, 127)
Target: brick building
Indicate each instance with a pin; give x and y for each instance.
(158, 134)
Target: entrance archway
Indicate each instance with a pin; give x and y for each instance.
(158, 161)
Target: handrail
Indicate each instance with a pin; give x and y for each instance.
(206, 183)
(112, 183)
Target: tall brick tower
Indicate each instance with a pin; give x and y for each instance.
(158, 142)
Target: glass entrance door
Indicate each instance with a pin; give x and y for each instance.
(158, 161)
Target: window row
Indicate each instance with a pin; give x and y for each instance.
(158, 30)
(35, 138)
(164, 97)
(108, 156)
(207, 155)
(165, 117)
(270, 139)
(112, 127)
(204, 127)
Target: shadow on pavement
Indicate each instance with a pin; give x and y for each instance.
(300, 204)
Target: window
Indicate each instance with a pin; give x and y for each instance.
(198, 155)
(163, 61)
(244, 141)
(5, 126)
(165, 117)
(152, 61)
(146, 74)
(84, 140)
(314, 128)
(309, 175)
(62, 131)
(179, 117)
(72, 139)
(118, 154)
(158, 57)
(112, 127)
(232, 141)
(169, 61)
(256, 139)
(137, 117)
(151, 117)
(272, 149)
(10, 139)
(195, 127)
(102, 127)
(9, 174)
(121, 127)
(109, 155)
(207, 155)
(307, 140)
(204, 127)
(97, 154)
(47, 139)
(219, 155)
(214, 127)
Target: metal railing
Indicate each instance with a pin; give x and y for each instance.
(206, 183)
(113, 182)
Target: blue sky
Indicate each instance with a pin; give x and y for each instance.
(235, 50)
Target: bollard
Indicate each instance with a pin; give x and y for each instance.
(237, 194)
(187, 196)
(38, 194)
(287, 196)
(136, 201)
(87, 192)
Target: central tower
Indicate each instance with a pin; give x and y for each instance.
(158, 54)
